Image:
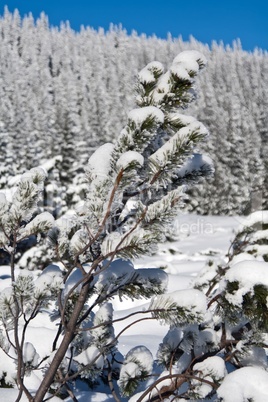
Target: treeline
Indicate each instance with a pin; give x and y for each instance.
(64, 93)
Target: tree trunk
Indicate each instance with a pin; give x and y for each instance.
(67, 339)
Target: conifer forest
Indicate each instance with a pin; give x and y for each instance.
(65, 93)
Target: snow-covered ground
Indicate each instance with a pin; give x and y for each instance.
(199, 238)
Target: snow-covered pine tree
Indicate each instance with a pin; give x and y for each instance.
(135, 187)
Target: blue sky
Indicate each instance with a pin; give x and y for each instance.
(206, 20)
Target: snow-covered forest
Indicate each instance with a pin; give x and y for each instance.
(64, 93)
(114, 286)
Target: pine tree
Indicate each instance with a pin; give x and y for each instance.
(135, 187)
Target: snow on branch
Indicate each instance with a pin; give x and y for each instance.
(130, 158)
(141, 128)
(255, 388)
(179, 307)
(99, 164)
(137, 366)
(191, 60)
(173, 87)
(40, 224)
(150, 73)
(119, 277)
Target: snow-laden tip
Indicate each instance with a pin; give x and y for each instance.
(91, 354)
(211, 369)
(41, 223)
(192, 60)
(247, 383)
(128, 158)
(256, 218)
(183, 119)
(35, 174)
(180, 71)
(186, 304)
(140, 115)
(100, 162)
(248, 274)
(149, 73)
(179, 139)
(138, 360)
(30, 355)
(213, 365)
(196, 163)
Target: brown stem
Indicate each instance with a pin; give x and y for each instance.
(110, 382)
(68, 389)
(169, 389)
(215, 298)
(118, 249)
(113, 342)
(105, 323)
(67, 339)
(18, 344)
